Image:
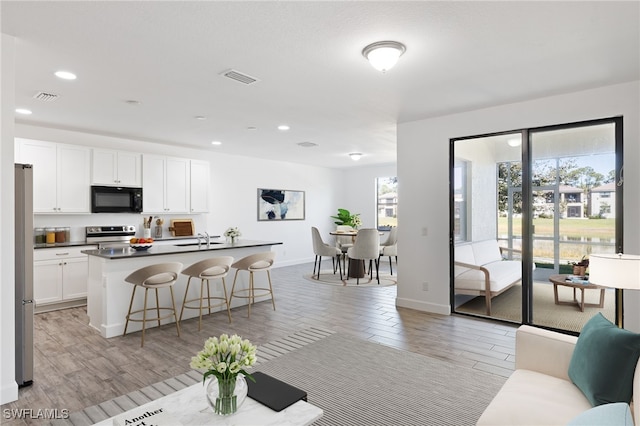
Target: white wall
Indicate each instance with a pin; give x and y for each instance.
(483, 188)
(359, 189)
(8, 386)
(233, 193)
(423, 169)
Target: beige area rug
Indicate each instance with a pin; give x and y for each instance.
(327, 277)
(508, 306)
(355, 382)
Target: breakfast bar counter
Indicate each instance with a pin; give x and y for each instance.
(108, 295)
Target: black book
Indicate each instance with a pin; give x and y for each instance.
(272, 392)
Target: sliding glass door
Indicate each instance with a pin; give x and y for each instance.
(574, 190)
(549, 197)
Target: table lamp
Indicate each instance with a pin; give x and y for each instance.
(619, 271)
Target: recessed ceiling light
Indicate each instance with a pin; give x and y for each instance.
(200, 117)
(65, 75)
(252, 128)
(133, 102)
(307, 144)
(216, 143)
(23, 111)
(283, 127)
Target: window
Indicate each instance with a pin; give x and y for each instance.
(387, 205)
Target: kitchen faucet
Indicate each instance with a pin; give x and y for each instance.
(208, 240)
(199, 236)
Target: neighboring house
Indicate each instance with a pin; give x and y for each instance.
(603, 201)
(388, 205)
(571, 203)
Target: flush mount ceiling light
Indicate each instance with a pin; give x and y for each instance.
(355, 156)
(23, 111)
(283, 127)
(65, 75)
(514, 142)
(200, 117)
(216, 143)
(383, 55)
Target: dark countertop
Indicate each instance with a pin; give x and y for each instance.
(155, 250)
(69, 244)
(84, 243)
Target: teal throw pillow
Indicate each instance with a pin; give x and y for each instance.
(617, 414)
(604, 360)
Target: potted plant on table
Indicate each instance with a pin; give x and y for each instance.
(580, 268)
(344, 217)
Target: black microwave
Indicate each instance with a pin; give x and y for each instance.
(116, 199)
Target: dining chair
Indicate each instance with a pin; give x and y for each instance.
(344, 242)
(320, 248)
(366, 247)
(390, 247)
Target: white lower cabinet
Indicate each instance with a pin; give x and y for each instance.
(60, 277)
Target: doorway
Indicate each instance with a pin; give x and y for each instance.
(550, 197)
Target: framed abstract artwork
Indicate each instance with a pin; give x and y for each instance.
(280, 204)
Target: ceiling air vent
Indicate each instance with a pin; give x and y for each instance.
(46, 97)
(238, 76)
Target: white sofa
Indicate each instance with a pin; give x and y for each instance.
(480, 270)
(539, 392)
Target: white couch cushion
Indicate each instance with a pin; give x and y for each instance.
(532, 398)
(486, 252)
(464, 254)
(501, 274)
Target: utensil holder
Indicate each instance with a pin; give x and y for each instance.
(146, 233)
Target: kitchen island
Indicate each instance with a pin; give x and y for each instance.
(108, 295)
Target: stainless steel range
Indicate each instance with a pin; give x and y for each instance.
(110, 236)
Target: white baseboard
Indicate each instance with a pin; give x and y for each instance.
(9, 392)
(419, 305)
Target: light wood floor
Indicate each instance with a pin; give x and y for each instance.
(75, 367)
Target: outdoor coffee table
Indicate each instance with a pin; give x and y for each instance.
(561, 279)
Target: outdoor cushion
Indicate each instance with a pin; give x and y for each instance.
(604, 361)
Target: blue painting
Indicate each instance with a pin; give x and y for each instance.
(280, 204)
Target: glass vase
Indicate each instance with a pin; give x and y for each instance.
(225, 396)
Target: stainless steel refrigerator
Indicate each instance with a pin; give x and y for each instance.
(24, 273)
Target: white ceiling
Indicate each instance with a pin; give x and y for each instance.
(307, 55)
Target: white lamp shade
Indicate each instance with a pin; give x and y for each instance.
(383, 55)
(615, 270)
(384, 58)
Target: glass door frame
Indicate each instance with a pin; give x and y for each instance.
(527, 211)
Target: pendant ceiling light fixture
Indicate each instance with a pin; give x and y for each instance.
(383, 55)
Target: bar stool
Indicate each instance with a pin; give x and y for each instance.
(208, 269)
(153, 277)
(254, 263)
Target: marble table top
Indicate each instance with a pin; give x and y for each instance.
(189, 406)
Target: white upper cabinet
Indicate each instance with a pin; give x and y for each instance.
(166, 184)
(116, 168)
(61, 175)
(200, 178)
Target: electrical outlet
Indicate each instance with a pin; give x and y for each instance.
(425, 286)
